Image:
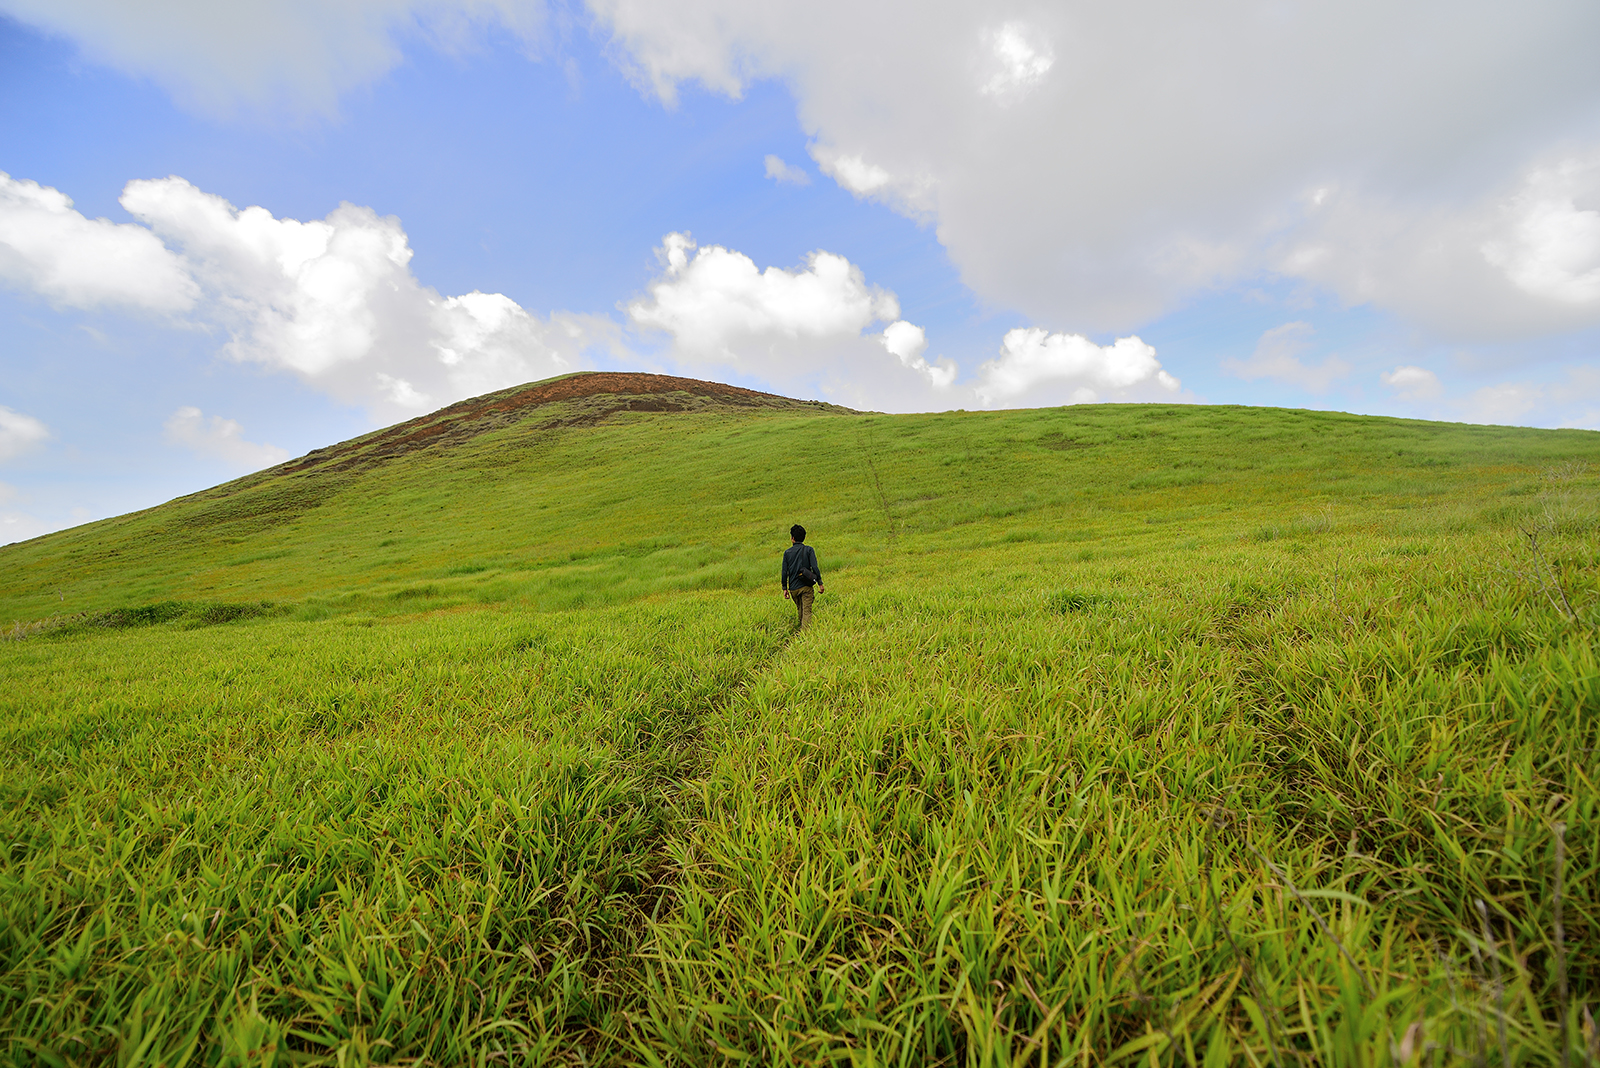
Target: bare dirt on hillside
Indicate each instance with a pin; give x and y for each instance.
(582, 399)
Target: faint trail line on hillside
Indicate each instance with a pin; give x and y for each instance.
(877, 483)
(678, 796)
(694, 738)
(680, 809)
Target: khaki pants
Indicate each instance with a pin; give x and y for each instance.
(802, 597)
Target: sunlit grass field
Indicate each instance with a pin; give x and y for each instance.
(1152, 735)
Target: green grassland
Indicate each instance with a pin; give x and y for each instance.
(1124, 734)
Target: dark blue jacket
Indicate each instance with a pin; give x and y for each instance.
(796, 557)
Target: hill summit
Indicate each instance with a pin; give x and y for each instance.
(581, 399)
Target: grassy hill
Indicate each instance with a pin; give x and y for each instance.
(1174, 734)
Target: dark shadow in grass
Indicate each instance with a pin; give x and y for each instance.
(188, 613)
(184, 614)
(1077, 601)
(421, 591)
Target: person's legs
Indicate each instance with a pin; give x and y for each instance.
(802, 604)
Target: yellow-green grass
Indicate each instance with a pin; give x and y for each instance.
(1168, 735)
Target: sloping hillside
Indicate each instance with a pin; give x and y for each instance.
(601, 487)
(1149, 734)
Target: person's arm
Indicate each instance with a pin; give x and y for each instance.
(783, 573)
(816, 569)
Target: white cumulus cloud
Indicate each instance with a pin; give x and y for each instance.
(19, 433)
(782, 172)
(906, 341)
(1413, 383)
(718, 298)
(221, 439)
(1039, 367)
(800, 328)
(334, 301)
(48, 247)
(1277, 356)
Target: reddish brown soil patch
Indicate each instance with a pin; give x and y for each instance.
(586, 398)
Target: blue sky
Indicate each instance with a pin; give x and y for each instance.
(290, 223)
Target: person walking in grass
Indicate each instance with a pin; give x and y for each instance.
(800, 572)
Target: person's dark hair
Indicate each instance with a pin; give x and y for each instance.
(797, 532)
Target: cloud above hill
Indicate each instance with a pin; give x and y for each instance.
(715, 298)
(1037, 368)
(808, 325)
(812, 326)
